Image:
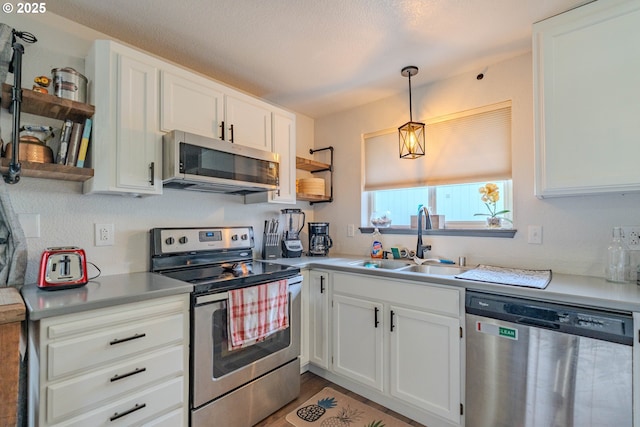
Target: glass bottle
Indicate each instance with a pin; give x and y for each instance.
(617, 268)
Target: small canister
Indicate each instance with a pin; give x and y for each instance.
(69, 84)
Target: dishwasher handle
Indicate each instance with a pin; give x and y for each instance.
(537, 323)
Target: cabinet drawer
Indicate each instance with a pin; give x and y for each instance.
(83, 393)
(74, 355)
(143, 407)
(94, 320)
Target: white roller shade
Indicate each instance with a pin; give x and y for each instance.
(471, 146)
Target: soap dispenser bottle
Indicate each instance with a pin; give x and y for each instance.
(617, 267)
(376, 244)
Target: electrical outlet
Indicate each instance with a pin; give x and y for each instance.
(104, 234)
(631, 236)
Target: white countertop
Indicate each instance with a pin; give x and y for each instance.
(563, 288)
(101, 292)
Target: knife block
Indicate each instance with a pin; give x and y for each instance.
(270, 245)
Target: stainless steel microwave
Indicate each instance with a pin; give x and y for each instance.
(194, 162)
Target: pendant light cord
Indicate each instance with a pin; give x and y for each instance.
(410, 103)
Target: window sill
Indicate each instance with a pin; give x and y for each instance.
(467, 232)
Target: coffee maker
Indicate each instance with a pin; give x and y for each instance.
(293, 223)
(319, 240)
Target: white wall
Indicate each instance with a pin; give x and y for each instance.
(67, 216)
(576, 230)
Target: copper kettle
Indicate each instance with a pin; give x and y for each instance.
(32, 149)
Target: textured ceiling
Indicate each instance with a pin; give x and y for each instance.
(318, 57)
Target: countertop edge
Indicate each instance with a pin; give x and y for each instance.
(106, 291)
(588, 291)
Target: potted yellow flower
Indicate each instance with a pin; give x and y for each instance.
(490, 196)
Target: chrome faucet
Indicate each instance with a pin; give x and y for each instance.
(420, 249)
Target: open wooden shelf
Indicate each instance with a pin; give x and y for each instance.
(314, 167)
(49, 171)
(312, 198)
(43, 104)
(311, 165)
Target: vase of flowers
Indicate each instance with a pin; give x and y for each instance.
(490, 196)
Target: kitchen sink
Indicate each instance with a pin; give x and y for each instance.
(381, 263)
(435, 269)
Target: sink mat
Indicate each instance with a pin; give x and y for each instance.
(508, 276)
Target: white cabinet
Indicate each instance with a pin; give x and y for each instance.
(247, 121)
(119, 365)
(425, 361)
(191, 104)
(125, 150)
(357, 339)
(304, 321)
(401, 339)
(284, 143)
(319, 318)
(586, 108)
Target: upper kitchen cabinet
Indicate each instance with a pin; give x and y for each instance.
(195, 104)
(586, 107)
(126, 151)
(192, 104)
(284, 143)
(247, 121)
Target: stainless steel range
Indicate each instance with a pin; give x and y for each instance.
(230, 387)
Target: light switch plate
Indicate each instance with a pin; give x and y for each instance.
(30, 224)
(535, 234)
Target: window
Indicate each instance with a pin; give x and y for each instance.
(464, 151)
(458, 203)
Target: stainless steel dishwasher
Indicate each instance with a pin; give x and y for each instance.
(539, 364)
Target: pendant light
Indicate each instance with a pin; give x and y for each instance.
(411, 134)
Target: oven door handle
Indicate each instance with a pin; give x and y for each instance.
(224, 296)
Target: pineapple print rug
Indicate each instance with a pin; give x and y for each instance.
(332, 409)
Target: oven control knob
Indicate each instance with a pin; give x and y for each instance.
(244, 237)
(183, 240)
(234, 237)
(170, 241)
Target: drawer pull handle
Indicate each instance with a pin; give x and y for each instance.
(127, 412)
(134, 337)
(128, 374)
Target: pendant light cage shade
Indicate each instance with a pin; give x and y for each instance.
(411, 135)
(412, 140)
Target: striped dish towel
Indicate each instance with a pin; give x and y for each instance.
(256, 312)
